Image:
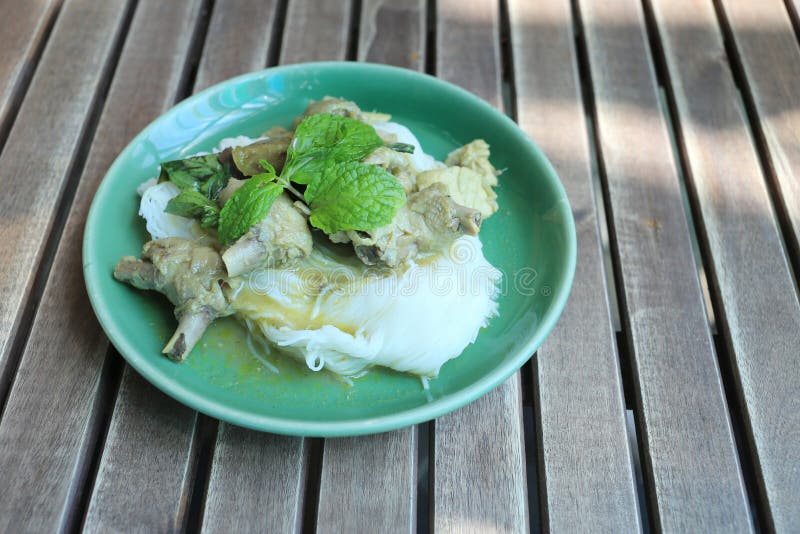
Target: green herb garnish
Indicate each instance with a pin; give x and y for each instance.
(325, 155)
(353, 196)
(194, 205)
(204, 174)
(322, 139)
(248, 205)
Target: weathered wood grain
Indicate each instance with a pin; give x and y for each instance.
(767, 47)
(393, 32)
(369, 482)
(51, 417)
(468, 46)
(23, 29)
(478, 455)
(132, 414)
(316, 30)
(690, 461)
(761, 313)
(256, 483)
(587, 473)
(41, 147)
(247, 26)
(138, 485)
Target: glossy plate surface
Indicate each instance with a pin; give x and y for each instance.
(531, 240)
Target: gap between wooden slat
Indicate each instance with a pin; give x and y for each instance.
(431, 472)
(355, 29)
(103, 407)
(633, 443)
(308, 521)
(203, 446)
(757, 134)
(430, 37)
(624, 341)
(424, 436)
(20, 336)
(279, 24)
(794, 16)
(603, 217)
(744, 444)
(25, 77)
(725, 360)
(186, 86)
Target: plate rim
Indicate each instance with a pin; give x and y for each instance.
(358, 426)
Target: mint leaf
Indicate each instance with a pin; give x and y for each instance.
(194, 205)
(248, 205)
(353, 196)
(204, 174)
(328, 138)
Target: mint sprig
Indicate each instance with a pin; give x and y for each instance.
(325, 154)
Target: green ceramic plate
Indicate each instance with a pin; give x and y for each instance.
(531, 239)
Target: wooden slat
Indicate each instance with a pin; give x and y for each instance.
(257, 482)
(468, 46)
(137, 482)
(767, 46)
(50, 122)
(761, 313)
(691, 465)
(50, 421)
(369, 483)
(479, 461)
(393, 32)
(170, 473)
(587, 478)
(247, 27)
(23, 29)
(316, 30)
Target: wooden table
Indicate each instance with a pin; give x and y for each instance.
(668, 396)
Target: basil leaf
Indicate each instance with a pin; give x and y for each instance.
(328, 138)
(204, 174)
(353, 196)
(248, 205)
(194, 205)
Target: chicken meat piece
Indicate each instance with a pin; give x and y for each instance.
(464, 185)
(247, 158)
(278, 239)
(429, 222)
(474, 156)
(345, 108)
(190, 275)
(397, 163)
(469, 177)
